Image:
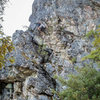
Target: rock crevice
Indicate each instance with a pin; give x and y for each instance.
(53, 44)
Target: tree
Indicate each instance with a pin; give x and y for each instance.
(85, 85)
(2, 6)
(94, 54)
(6, 46)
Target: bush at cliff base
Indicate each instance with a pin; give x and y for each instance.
(85, 85)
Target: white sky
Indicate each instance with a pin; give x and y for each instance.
(16, 15)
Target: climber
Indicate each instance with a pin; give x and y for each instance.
(41, 27)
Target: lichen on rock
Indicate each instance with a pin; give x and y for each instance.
(41, 53)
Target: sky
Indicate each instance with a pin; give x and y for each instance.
(16, 15)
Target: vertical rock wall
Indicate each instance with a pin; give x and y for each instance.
(53, 44)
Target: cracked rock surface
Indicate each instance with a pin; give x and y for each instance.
(55, 37)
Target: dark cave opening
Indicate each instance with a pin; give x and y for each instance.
(6, 90)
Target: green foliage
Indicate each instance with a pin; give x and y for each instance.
(2, 7)
(41, 50)
(73, 60)
(85, 85)
(91, 33)
(6, 46)
(94, 54)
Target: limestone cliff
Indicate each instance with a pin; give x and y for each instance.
(53, 44)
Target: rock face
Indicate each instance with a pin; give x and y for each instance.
(53, 44)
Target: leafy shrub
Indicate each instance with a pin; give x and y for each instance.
(85, 85)
(6, 46)
(94, 54)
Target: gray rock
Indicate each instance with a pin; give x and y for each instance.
(40, 55)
